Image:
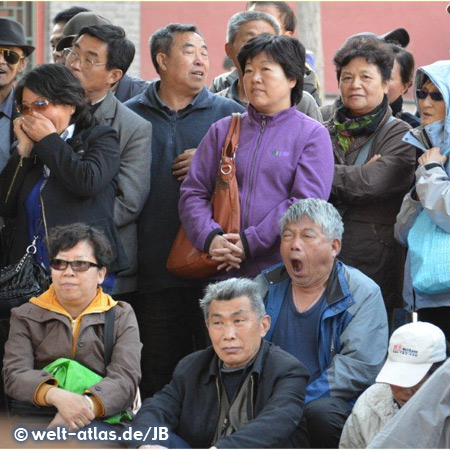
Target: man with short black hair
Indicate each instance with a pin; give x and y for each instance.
(242, 392)
(59, 22)
(99, 57)
(181, 111)
(125, 86)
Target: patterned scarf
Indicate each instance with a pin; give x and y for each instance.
(348, 126)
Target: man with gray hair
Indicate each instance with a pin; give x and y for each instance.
(243, 392)
(328, 315)
(242, 27)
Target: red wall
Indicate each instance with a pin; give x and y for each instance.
(428, 25)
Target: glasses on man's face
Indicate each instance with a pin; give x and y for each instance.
(86, 63)
(77, 266)
(10, 56)
(38, 105)
(436, 95)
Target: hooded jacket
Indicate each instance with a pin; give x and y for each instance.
(432, 182)
(43, 331)
(352, 333)
(281, 158)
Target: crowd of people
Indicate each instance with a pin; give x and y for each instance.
(344, 222)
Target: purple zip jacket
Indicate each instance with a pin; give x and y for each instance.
(281, 158)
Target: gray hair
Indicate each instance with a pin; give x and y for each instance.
(238, 19)
(320, 212)
(231, 289)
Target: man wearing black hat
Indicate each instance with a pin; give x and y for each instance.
(13, 60)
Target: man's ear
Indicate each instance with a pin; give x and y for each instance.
(228, 49)
(265, 325)
(288, 33)
(114, 76)
(161, 59)
(22, 64)
(335, 247)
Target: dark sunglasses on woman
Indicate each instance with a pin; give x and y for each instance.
(38, 105)
(10, 56)
(422, 95)
(77, 266)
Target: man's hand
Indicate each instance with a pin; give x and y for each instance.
(373, 159)
(432, 155)
(37, 126)
(73, 408)
(152, 446)
(181, 164)
(25, 143)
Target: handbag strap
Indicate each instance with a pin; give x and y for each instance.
(109, 335)
(232, 139)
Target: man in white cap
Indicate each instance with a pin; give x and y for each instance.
(416, 350)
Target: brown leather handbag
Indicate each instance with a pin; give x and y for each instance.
(185, 261)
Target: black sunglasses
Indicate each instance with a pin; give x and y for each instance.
(77, 266)
(10, 56)
(436, 96)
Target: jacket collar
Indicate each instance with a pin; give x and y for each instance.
(335, 290)
(108, 108)
(271, 119)
(213, 370)
(152, 99)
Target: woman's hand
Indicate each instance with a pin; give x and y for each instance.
(432, 155)
(225, 252)
(37, 126)
(74, 409)
(236, 239)
(57, 421)
(25, 143)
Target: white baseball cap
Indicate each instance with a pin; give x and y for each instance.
(413, 348)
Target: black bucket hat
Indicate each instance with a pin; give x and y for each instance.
(12, 34)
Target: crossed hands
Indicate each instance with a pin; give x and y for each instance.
(30, 129)
(73, 409)
(228, 250)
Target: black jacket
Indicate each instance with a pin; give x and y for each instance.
(189, 404)
(81, 187)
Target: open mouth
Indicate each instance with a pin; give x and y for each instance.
(198, 74)
(297, 266)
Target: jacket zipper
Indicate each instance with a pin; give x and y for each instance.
(252, 168)
(43, 216)
(14, 179)
(251, 397)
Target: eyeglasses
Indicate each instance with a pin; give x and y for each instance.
(77, 266)
(38, 105)
(86, 63)
(436, 96)
(10, 56)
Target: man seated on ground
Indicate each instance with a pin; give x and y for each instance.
(328, 315)
(242, 27)
(242, 392)
(416, 351)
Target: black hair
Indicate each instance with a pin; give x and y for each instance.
(373, 50)
(286, 13)
(121, 50)
(286, 51)
(67, 14)
(405, 60)
(59, 86)
(161, 40)
(65, 237)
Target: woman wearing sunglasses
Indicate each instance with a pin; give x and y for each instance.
(429, 200)
(69, 321)
(63, 166)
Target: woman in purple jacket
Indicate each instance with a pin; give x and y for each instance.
(283, 156)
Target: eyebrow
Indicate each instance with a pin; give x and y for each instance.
(236, 313)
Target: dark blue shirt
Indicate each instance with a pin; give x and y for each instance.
(173, 132)
(297, 333)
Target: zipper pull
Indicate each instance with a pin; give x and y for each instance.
(263, 123)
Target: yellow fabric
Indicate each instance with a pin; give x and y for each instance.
(41, 391)
(101, 303)
(99, 408)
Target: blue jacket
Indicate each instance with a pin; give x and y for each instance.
(173, 133)
(353, 331)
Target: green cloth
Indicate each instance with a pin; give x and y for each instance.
(74, 377)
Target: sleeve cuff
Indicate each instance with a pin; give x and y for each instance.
(431, 165)
(210, 237)
(245, 245)
(99, 408)
(41, 391)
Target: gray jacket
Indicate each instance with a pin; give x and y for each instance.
(424, 422)
(135, 141)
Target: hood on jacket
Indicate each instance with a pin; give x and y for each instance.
(437, 132)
